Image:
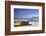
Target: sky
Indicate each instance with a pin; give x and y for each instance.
(25, 13)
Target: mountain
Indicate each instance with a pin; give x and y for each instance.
(32, 19)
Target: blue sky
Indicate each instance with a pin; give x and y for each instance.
(25, 13)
